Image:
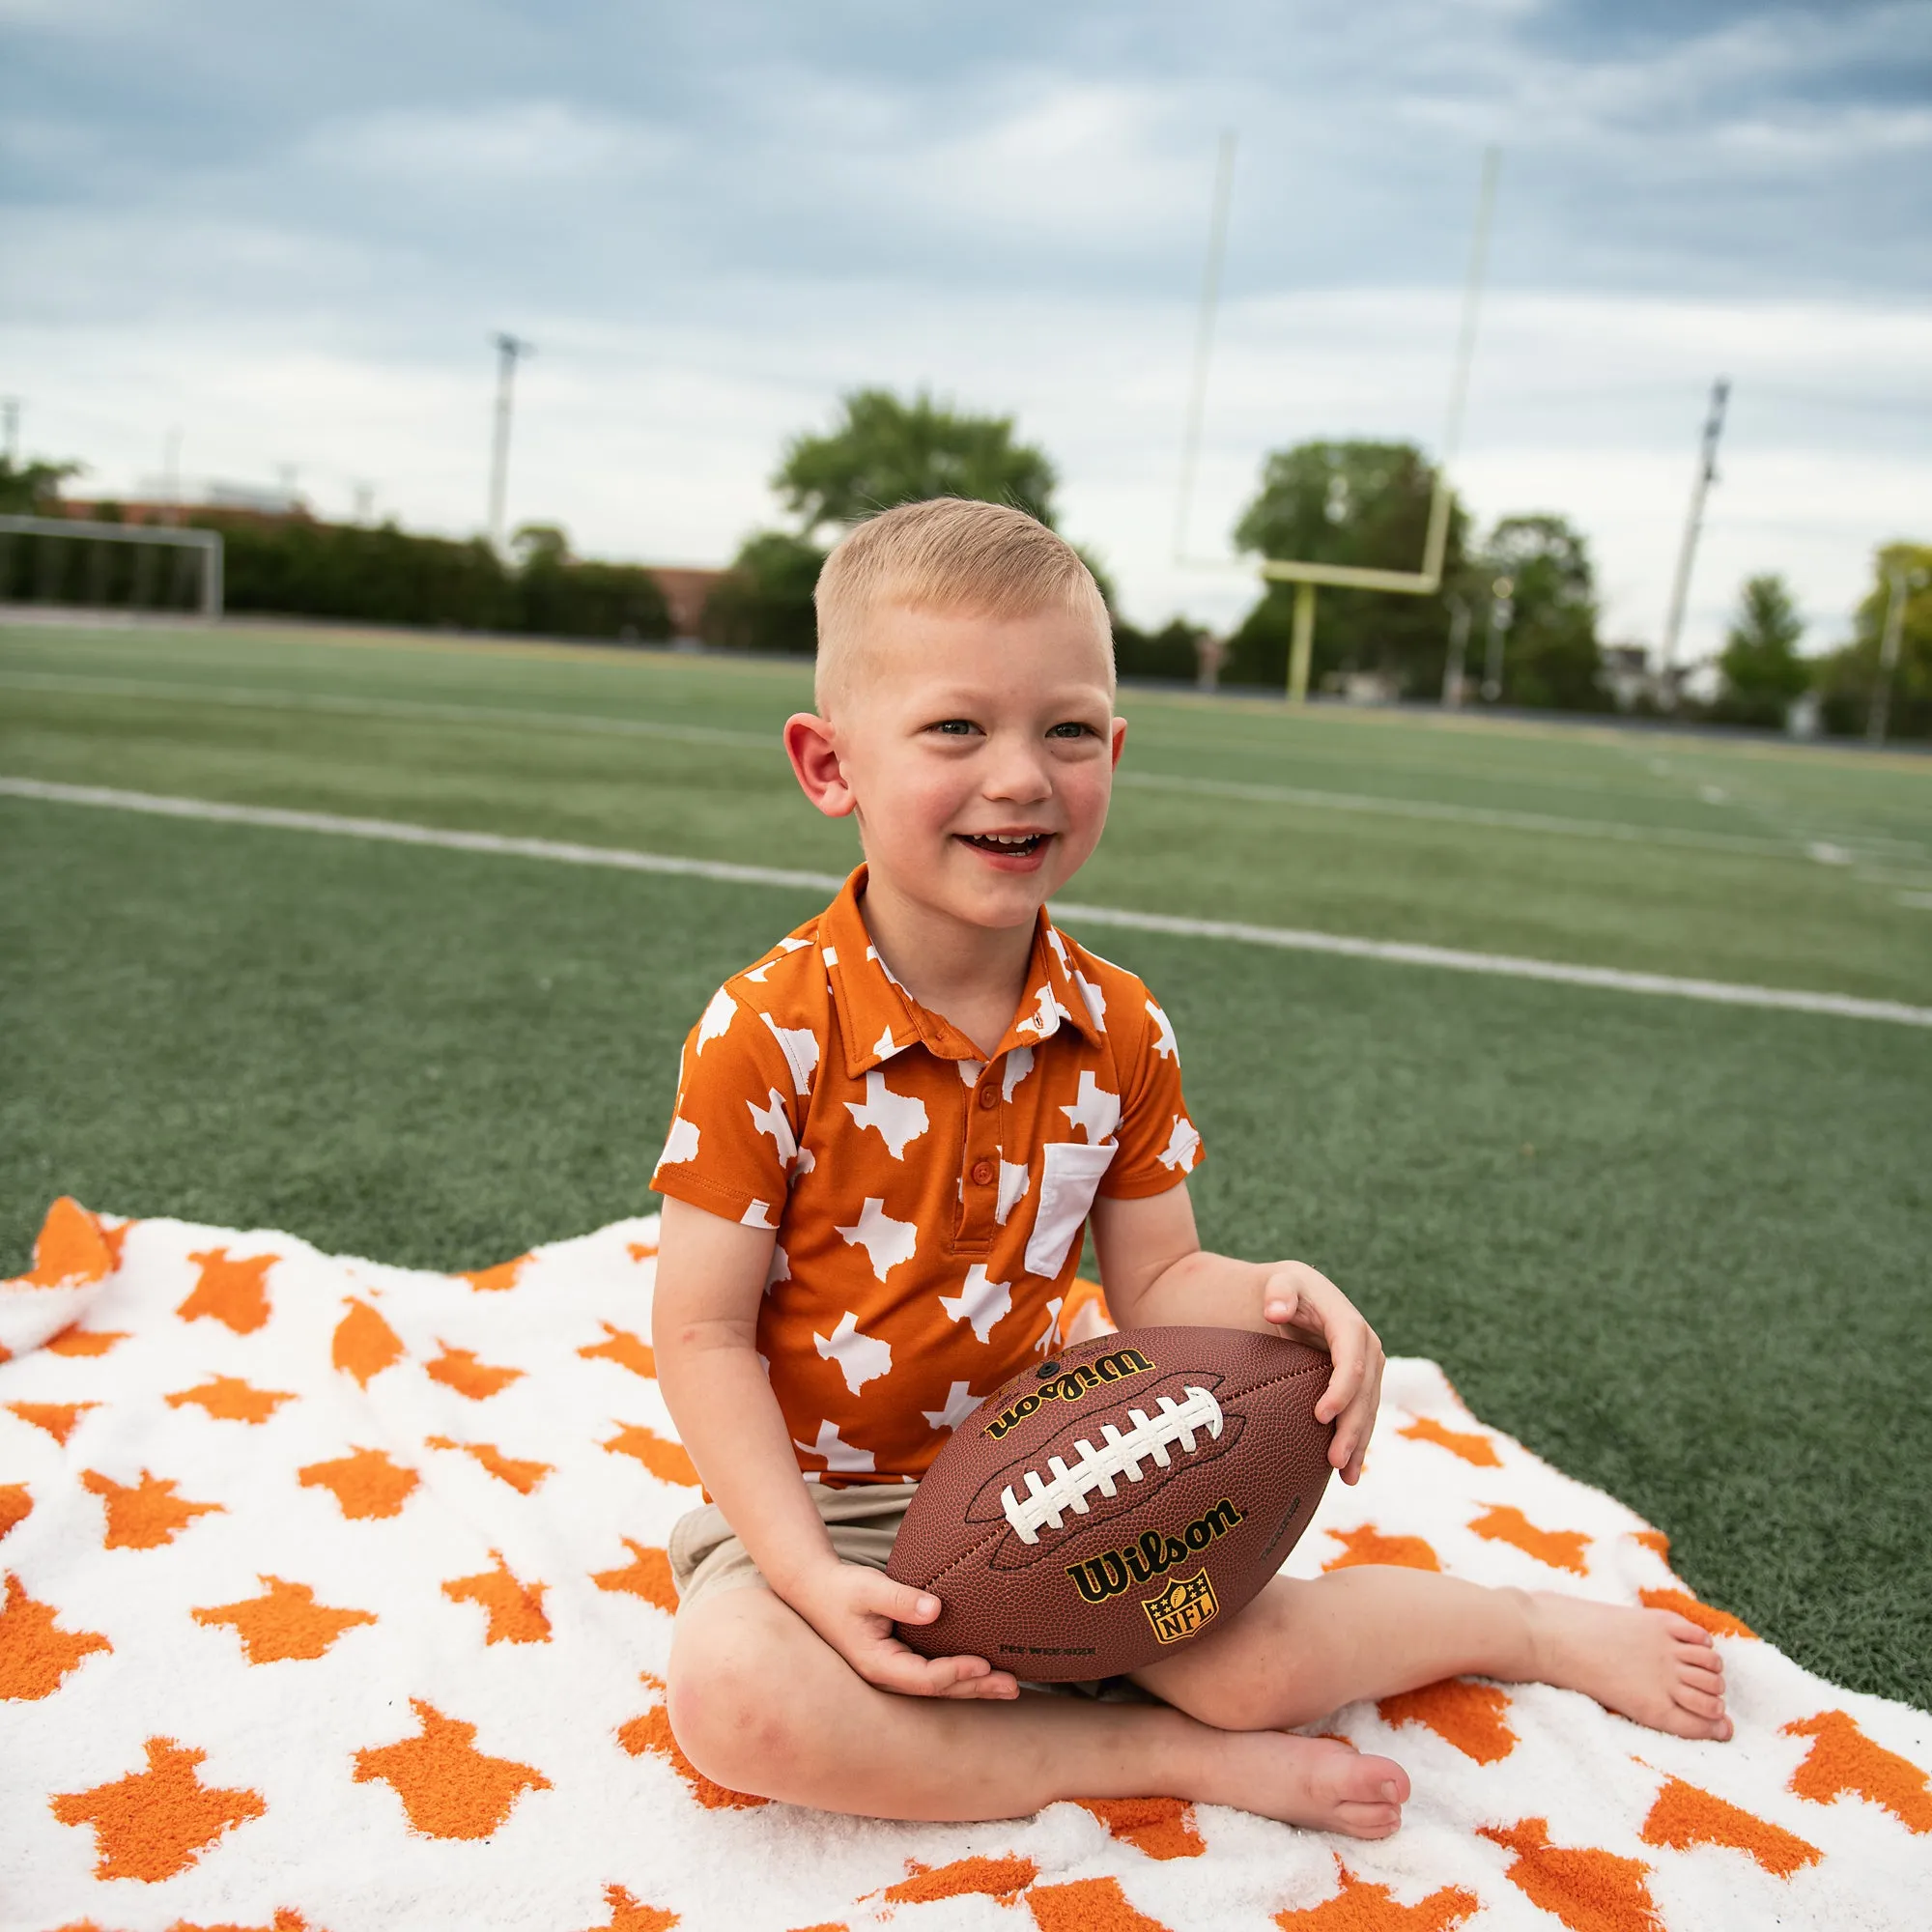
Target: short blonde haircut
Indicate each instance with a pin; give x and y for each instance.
(947, 553)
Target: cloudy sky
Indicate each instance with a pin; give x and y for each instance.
(288, 231)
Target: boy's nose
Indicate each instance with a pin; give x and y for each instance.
(1017, 772)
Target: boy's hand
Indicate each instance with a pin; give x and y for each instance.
(853, 1608)
(1309, 1307)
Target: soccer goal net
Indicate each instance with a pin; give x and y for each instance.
(70, 564)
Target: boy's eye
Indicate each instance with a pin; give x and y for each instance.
(1072, 729)
(955, 728)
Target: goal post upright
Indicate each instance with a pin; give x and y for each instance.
(1308, 575)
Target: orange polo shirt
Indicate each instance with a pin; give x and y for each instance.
(929, 1204)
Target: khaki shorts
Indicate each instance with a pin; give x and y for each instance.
(707, 1558)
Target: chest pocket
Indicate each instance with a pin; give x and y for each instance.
(1069, 1175)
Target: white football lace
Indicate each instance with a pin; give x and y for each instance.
(1048, 1498)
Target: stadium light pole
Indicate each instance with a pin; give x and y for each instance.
(10, 413)
(509, 349)
(1686, 551)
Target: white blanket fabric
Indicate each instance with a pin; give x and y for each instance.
(336, 1598)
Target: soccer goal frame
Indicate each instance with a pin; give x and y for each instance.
(207, 545)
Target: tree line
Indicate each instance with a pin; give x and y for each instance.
(1522, 594)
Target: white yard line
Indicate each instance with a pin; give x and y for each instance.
(1609, 979)
(255, 697)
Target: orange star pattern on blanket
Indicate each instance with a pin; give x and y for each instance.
(1163, 1827)
(666, 1461)
(284, 1622)
(1368, 1544)
(1477, 1450)
(1560, 1548)
(1466, 1714)
(229, 1399)
(79, 1343)
(448, 1787)
(146, 1516)
(499, 1279)
(365, 1483)
(233, 1292)
(364, 1344)
(1364, 1907)
(1720, 1622)
(651, 1733)
(1087, 1905)
(1589, 1891)
(71, 1248)
(57, 1418)
(1004, 1879)
(522, 1476)
(1683, 1816)
(16, 1505)
(1842, 1758)
(460, 1370)
(515, 1609)
(34, 1651)
(155, 1823)
(621, 1346)
(628, 1915)
(648, 1576)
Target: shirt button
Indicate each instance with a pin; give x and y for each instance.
(983, 1174)
(989, 1096)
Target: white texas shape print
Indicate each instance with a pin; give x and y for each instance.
(982, 1302)
(837, 1454)
(899, 1118)
(1095, 1111)
(886, 1241)
(771, 1120)
(718, 1018)
(960, 1403)
(861, 1358)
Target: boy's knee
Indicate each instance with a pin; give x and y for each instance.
(725, 1692)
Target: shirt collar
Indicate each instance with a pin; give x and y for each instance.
(879, 1018)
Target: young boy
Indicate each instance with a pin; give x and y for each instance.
(889, 1133)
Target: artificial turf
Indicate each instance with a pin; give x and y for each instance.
(1677, 1249)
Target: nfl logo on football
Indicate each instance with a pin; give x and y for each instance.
(1184, 1606)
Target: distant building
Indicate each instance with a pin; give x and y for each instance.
(687, 590)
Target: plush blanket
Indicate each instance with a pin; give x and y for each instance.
(335, 1597)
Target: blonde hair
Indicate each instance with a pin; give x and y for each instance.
(946, 553)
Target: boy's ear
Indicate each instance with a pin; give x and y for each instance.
(1119, 740)
(816, 765)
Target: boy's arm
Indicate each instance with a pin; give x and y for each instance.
(1157, 1273)
(704, 1316)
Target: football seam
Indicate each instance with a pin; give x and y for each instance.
(993, 1536)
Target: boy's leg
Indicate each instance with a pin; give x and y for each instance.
(1305, 1647)
(760, 1703)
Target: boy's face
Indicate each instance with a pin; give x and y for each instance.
(978, 754)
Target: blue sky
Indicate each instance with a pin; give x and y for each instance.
(287, 231)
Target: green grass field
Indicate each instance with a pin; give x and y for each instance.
(1679, 1248)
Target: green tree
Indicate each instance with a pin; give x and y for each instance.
(1849, 676)
(1551, 657)
(1760, 667)
(30, 488)
(763, 603)
(884, 452)
(1348, 503)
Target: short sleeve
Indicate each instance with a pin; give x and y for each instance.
(733, 1140)
(1158, 1144)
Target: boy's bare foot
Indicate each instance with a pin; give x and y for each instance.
(1653, 1665)
(1313, 1782)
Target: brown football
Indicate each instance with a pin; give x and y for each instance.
(1104, 1508)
